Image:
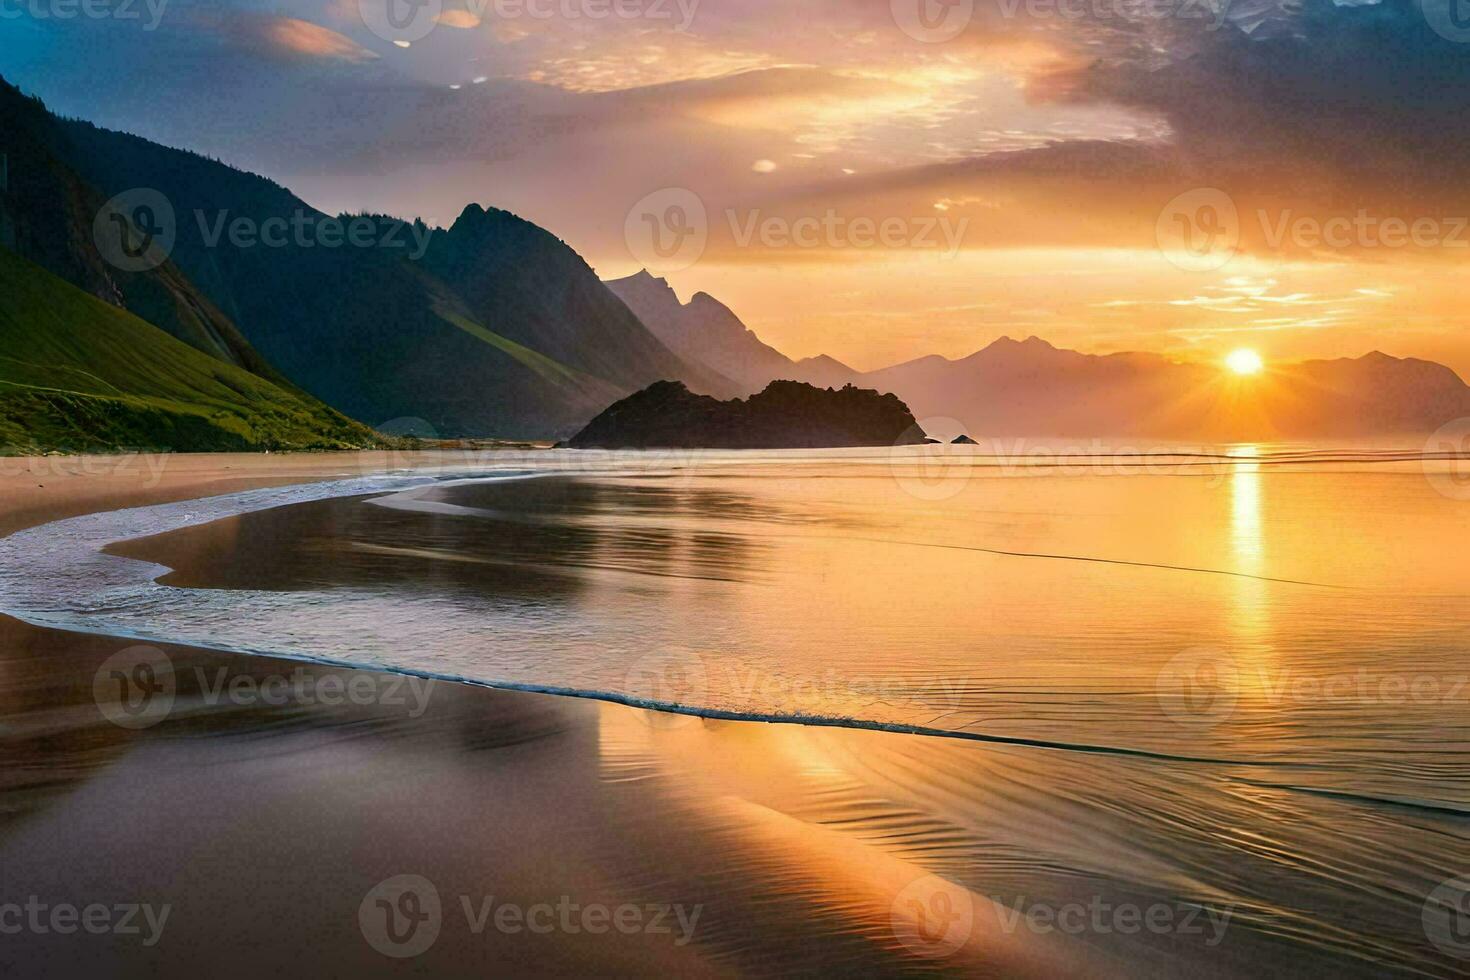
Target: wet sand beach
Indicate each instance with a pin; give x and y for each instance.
(269, 816)
(270, 801)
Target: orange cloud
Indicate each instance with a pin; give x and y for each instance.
(299, 37)
(462, 19)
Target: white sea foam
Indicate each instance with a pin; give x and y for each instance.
(57, 575)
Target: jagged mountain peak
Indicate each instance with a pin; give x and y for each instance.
(706, 301)
(1032, 343)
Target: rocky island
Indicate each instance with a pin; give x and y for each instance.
(786, 415)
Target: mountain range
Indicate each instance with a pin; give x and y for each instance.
(704, 330)
(494, 327)
(1031, 388)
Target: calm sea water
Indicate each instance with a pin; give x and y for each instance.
(1237, 681)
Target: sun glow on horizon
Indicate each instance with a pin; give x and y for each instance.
(1244, 361)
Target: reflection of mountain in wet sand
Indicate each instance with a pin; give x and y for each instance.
(803, 849)
(793, 586)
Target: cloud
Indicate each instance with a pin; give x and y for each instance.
(461, 19)
(1048, 127)
(291, 37)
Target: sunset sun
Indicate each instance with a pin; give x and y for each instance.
(1244, 361)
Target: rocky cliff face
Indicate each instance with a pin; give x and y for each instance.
(703, 331)
(786, 415)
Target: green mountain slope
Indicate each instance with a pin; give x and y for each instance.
(81, 375)
(47, 212)
(533, 345)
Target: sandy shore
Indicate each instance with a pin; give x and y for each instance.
(38, 489)
(268, 817)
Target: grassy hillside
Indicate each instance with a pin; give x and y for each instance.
(535, 346)
(80, 375)
(49, 211)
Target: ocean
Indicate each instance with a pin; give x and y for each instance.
(1225, 684)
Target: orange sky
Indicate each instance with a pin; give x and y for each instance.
(1108, 177)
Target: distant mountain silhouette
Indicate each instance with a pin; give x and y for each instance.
(824, 372)
(786, 415)
(1031, 388)
(705, 331)
(499, 329)
(702, 330)
(1034, 389)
